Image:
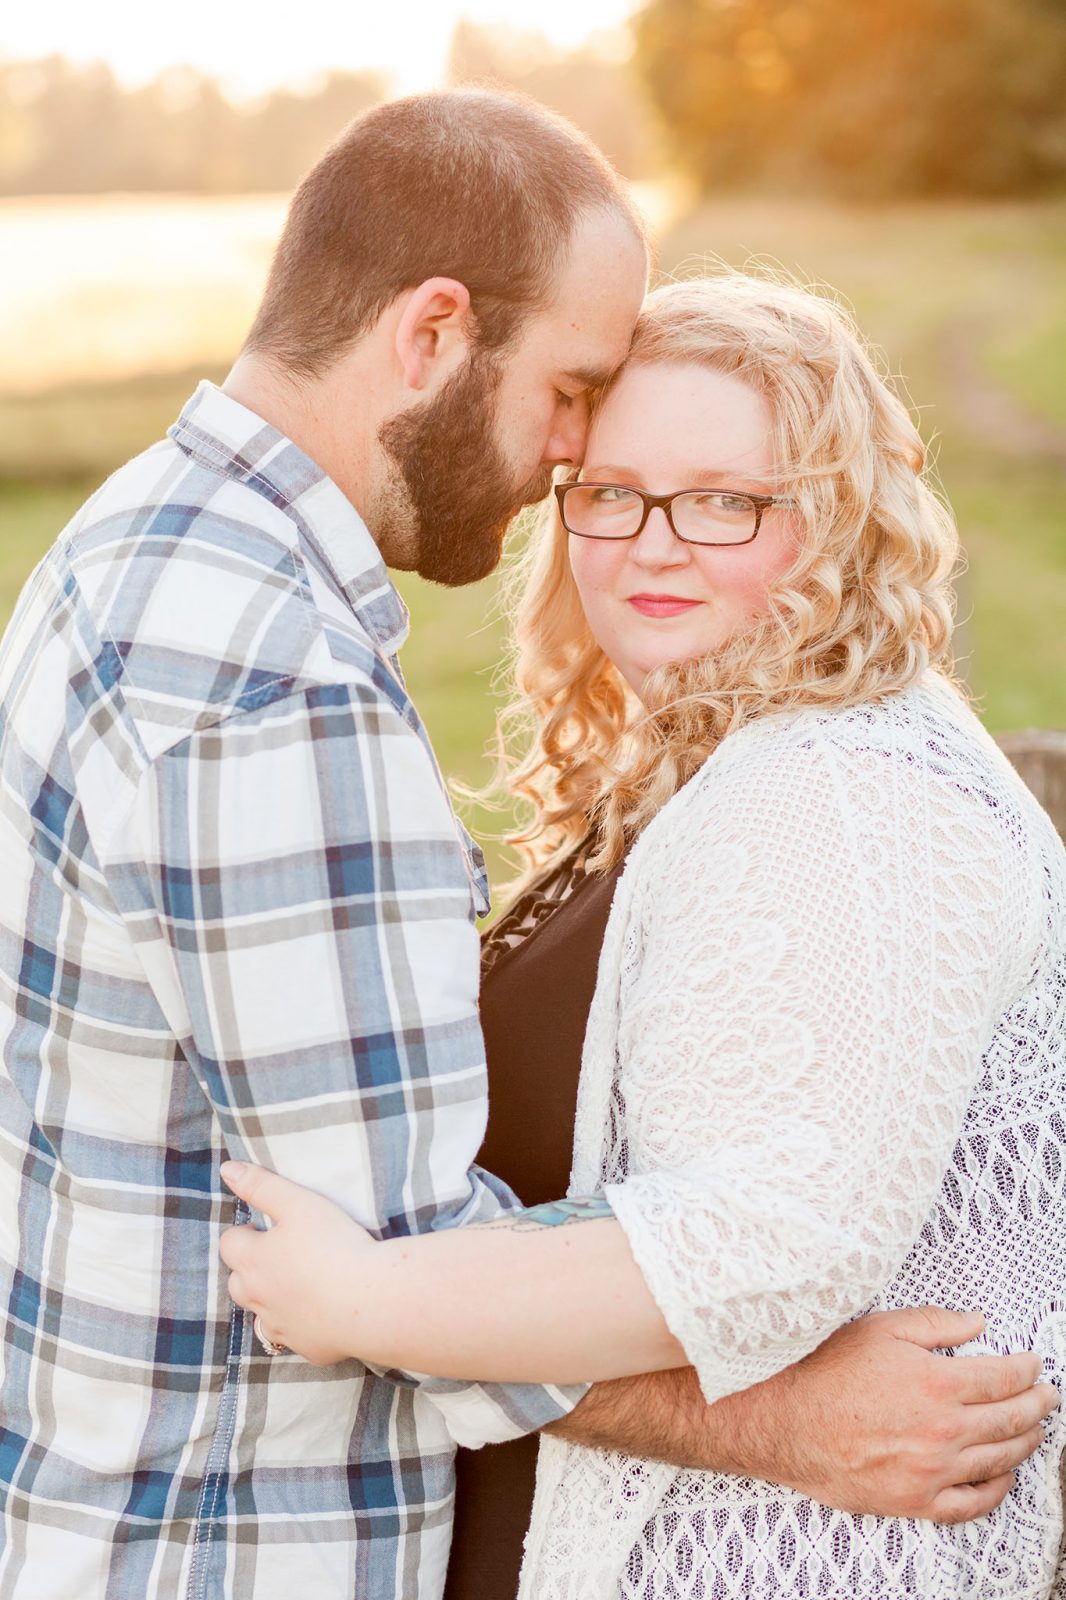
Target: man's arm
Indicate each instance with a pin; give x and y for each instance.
(871, 1421)
(302, 905)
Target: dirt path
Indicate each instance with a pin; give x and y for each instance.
(988, 411)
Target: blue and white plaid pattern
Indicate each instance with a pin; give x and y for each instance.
(236, 919)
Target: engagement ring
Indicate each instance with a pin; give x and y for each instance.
(268, 1345)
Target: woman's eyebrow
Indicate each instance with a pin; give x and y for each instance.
(609, 474)
(703, 478)
(732, 477)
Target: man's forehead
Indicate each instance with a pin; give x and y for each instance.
(598, 294)
(588, 343)
(582, 351)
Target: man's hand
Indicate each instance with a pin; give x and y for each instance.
(871, 1421)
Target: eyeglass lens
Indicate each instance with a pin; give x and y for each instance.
(599, 511)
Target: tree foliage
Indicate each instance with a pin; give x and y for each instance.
(68, 129)
(594, 86)
(868, 98)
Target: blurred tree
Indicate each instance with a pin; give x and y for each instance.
(59, 115)
(287, 132)
(594, 86)
(70, 129)
(919, 97)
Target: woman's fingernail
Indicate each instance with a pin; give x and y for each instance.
(233, 1171)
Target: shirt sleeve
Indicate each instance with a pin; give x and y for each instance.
(306, 921)
(825, 943)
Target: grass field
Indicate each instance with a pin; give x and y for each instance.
(967, 301)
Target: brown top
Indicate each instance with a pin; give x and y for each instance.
(535, 999)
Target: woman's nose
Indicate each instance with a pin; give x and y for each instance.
(657, 545)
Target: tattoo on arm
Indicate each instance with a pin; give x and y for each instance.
(555, 1214)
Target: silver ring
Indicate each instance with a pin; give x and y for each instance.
(268, 1345)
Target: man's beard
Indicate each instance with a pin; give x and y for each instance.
(454, 496)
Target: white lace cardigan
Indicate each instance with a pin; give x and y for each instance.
(825, 1071)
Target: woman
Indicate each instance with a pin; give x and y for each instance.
(824, 1067)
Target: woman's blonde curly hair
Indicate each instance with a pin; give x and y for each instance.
(864, 610)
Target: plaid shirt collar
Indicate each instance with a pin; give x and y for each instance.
(223, 434)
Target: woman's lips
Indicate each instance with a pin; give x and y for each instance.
(661, 605)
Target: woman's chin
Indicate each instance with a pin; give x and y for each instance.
(637, 677)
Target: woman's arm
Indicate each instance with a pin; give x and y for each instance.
(873, 1421)
(550, 1294)
(822, 967)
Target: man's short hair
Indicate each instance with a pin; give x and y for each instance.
(480, 186)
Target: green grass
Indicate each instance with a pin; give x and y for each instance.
(1014, 590)
(450, 663)
(86, 430)
(967, 302)
(1031, 361)
(31, 516)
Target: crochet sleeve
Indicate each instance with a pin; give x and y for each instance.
(827, 933)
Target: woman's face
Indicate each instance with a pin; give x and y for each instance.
(654, 599)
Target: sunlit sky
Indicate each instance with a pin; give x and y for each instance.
(252, 48)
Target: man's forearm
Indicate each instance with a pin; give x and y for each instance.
(874, 1420)
(662, 1416)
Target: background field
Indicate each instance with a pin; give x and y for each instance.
(967, 301)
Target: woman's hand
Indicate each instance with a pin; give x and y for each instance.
(547, 1295)
(296, 1276)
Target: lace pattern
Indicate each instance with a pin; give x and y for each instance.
(825, 1072)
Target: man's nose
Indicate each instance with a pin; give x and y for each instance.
(566, 445)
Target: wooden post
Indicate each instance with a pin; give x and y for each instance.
(1039, 757)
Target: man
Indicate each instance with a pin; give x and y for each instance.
(237, 914)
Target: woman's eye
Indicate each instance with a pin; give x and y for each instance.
(733, 505)
(607, 495)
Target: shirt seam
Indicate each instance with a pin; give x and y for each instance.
(216, 459)
(297, 688)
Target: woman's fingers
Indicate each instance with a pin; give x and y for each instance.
(240, 1250)
(294, 1276)
(237, 1290)
(264, 1191)
(966, 1501)
(236, 1245)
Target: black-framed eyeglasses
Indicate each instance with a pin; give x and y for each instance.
(696, 516)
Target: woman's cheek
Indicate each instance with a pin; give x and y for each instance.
(607, 624)
(744, 590)
(595, 570)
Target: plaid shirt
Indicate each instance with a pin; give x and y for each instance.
(236, 919)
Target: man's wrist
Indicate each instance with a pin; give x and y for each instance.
(663, 1416)
(746, 1434)
(660, 1416)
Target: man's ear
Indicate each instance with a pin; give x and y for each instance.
(434, 331)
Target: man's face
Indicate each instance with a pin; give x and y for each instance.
(486, 445)
(457, 492)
